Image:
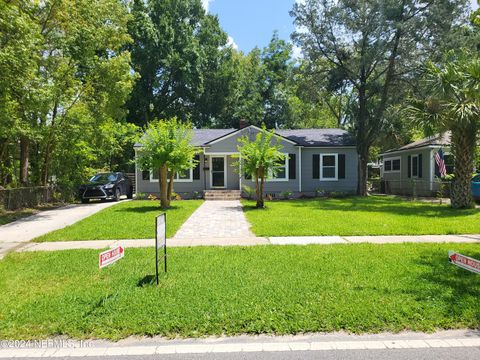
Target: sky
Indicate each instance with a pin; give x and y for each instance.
(251, 23)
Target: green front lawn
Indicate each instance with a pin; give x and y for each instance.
(127, 220)
(233, 290)
(374, 215)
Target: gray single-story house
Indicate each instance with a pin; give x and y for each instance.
(412, 168)
(316, 160)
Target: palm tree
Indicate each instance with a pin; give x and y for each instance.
(259, 158)
(453, 104)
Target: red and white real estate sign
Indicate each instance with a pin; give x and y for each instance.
(464, 262)
(110, 256)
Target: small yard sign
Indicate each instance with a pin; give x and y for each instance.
(160, 242)
(110, 256)
(464, 262)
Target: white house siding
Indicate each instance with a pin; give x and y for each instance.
(399, 182)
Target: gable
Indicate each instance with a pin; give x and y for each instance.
(229, 143)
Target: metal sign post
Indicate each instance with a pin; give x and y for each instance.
(160, 242)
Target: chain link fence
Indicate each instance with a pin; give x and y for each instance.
(411, 187)
(28, 197)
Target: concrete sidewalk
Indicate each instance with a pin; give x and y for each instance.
(251, 241)
(319, 343)
(15, 234)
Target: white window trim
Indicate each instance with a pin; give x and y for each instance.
(321, 167)
(268, 179)
(411, 166)
(224, 171)
(176, 180)
(391, 160)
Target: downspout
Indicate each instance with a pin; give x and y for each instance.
(136, 172)
(299, 169)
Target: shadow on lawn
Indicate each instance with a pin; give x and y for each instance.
(147, 209)
(456, 289)
(374, 204)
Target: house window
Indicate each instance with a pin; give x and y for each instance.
(449, 163)
(414, 165)
(181, 176)
(281, 171)
(391, 165)
(329, 167)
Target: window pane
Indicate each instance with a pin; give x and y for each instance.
(145, 175)
(388, 165)
(155, 174)
(329, 160)
(396, 164)
(329, 172)
(184, 174)
(415, 166)
(217, 164)
(281, 173)
(449, 164)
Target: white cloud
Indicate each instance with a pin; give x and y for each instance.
(205, 3)
(232, 43)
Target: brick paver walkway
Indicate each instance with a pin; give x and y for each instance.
(216, 219)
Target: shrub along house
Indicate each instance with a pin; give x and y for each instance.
(412, 169)
(316, 159)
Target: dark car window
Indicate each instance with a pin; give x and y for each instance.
(476, 178)
(104, 177)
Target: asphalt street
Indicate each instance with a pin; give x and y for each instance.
(455, 353)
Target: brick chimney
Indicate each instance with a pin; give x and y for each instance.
(242, 124)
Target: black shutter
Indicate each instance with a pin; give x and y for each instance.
(409, 166)
(316, 166)
(145, 175)
(341, 166)
(292, 166)
(196, 169)
(420, 166)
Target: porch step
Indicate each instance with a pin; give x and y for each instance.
(222, 194)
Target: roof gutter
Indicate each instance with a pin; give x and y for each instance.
(411, 149)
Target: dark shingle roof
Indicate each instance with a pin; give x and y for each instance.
(435, 140)
(203, 136)
(319, 137)
(303, 137)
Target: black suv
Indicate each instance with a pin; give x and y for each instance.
(106, 186)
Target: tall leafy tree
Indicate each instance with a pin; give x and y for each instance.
(371, 46)
(167, 148)
(452, 104)
(259, 157)
(175, 45)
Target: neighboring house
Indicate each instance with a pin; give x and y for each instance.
(412, 168)
(316, 159)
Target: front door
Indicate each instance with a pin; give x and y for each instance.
(218, 172)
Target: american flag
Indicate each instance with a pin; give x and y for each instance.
(440, 160)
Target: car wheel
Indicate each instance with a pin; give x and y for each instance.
(130, 193)
(117, 194)
(85, 201)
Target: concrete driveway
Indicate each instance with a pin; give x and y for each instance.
(16, 233)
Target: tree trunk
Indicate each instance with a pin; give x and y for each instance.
(463, 149)
(362, 171)
(260, 202)
(170, 185)
(162, 180)
(24, 160)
